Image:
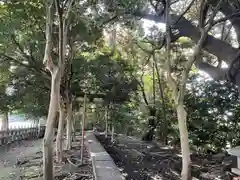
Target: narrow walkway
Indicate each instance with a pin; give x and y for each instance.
(104, 167)
(139, 160)
(9, 156)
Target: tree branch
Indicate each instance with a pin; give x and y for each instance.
(31, 68)
(227, 9)
(172, 82)
(47, 60)
(229, 17)
(184, 12)
(30, 57)
(185, 28)
(196, 53)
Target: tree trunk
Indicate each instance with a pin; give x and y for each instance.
(4, 121)
(161, 92)
(83, 127)
(74, 126)
(106, 122)
(69, 127)
(112, 137)
(186, 162)
(59, 139)
(48, 137)
(152, 125)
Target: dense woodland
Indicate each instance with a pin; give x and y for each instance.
(162, 70)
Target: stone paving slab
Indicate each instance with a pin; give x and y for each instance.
(103, 165)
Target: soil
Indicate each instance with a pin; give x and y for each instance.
(139, 160)
(24, 162)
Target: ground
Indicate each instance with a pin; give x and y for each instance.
(23, 161)
(136, 159)
(10, 155)
(140, 160)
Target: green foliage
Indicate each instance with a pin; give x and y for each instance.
(212, 107)
(103, 74)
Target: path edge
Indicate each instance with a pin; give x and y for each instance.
(94, 147)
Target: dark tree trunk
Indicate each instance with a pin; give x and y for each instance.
(152, 124)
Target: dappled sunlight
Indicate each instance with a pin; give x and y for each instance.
(167, 147)
(196, 165)
(148, 75)
(105, 167)
(179, 155)
(175, 173)
(99, 154)
(157, 177)
(148, 25)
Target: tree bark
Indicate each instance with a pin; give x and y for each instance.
(112, 137)
(186, 162)
(54, 96)
(69, 127)
(4, 121)
(161, 92)
(74, 118)
(59, 139)
(152, 124)
(83, 127)
(106, 122)
(48, 137)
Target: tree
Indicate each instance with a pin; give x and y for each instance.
(178, 88)
(212, 108)
(183, 26)
(21, 48)
(56, 71)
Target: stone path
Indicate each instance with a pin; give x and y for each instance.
(104, 167)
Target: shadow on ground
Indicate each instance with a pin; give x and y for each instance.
(23, 161)
(138, 160)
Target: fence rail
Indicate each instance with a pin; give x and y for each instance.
(19, 125)
(13, 135)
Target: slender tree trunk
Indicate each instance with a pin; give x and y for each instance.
(153, 81)
(59, 139)
(101, 118)
(106, 123)
(48, 137)
(186, 162)
(152, 124)
(161, 92)
(56, 73)
(112, 137)
(83, 127)
(74, 126)
(97, 115)
(69, 127)
(4, 121)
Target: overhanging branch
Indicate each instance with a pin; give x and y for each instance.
(185, 28)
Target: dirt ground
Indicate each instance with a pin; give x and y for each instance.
(23, 161)
(138, 160)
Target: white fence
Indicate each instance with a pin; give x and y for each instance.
(20, 130)
(20, 125)
(10, 136)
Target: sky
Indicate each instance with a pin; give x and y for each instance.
(147, 24)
